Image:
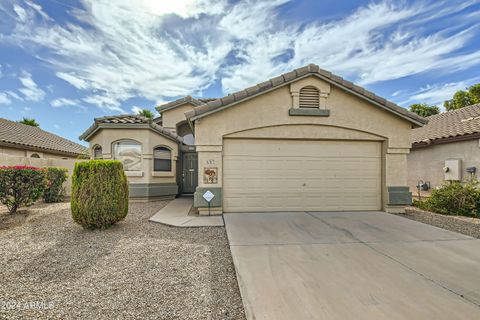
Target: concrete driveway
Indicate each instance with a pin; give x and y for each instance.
(352, 265)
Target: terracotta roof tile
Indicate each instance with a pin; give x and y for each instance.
(21, 135)
(128, 119)
(455, 123)
(288, 77)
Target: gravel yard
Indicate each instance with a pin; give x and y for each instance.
(465, 225)
(135, 270)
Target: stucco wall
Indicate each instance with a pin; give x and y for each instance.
(427, 163)
(7, 160)
(172, 117)
(146, 178)
(350, 118)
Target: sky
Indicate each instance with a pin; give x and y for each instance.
(65, 62)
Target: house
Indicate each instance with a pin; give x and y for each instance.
(447, 148)
(21, 140)
(306, 140)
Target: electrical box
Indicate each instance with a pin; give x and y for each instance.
(453, 169)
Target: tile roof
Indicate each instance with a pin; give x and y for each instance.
(286, 78)
(23, 136)
(181, 101)
(461, 122)
(126, 120)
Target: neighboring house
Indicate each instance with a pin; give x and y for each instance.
(307, 140)
(21, 140)
(449, 140)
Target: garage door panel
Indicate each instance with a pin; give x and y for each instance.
(283, 175)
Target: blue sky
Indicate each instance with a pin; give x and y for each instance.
(64, 62)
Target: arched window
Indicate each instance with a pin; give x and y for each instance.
(162, 159)
(309, 97)
(97, 153)
(34, 155)
(129, 152)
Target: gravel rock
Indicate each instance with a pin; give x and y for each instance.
(465, 225)
(52, 268)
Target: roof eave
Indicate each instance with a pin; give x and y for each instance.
(193, 117)
(39, 149)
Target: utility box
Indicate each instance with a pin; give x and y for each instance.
(453, 169)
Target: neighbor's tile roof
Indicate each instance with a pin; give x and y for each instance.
(128, 119)
(20, 135)
(449, 124)
(311, 69)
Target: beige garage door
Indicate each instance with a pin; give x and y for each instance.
(293, 175)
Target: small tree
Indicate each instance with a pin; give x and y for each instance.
(21, 186)
(54, 192)
(464, 98)
(424, 110)
(146, 113)
(99, 193)
(29, 122)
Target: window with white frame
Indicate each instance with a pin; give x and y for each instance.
(129, 152)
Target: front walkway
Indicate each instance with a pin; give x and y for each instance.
(176, 214)
(352, 265)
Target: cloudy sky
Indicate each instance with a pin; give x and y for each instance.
(64, 62)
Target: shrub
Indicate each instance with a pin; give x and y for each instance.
(99, 193)
(454, 198)
(21, 186)
(54, 192)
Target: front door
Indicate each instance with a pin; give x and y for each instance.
(190, 172)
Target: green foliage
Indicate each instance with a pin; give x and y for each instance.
(424, 110)
(145, 113)
(54, 191)
(21, 186)
(463, 98)
(29, 122)
(99, 193)
(454, 198)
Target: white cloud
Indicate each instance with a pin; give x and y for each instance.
(136, 109)
(162, 49)
(4, 99)
(63, 102)
(436, 94)
(30, 89)
(14, 95)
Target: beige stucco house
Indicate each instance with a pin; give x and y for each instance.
(447, 148)
(20, 140)
(306, 140)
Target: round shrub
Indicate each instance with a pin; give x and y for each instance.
(21, 186)
(99, 193)
(54, 191)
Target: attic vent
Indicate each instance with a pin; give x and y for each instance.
(309, 97)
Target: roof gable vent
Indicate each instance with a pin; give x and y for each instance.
(309, 97)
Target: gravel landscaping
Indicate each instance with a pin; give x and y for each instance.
(52, 268)
(465, 225)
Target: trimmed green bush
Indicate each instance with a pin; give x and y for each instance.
(99, 193)
(21, 186)
(454, 198)
(55, 192)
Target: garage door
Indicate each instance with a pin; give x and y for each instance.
(293, 175)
